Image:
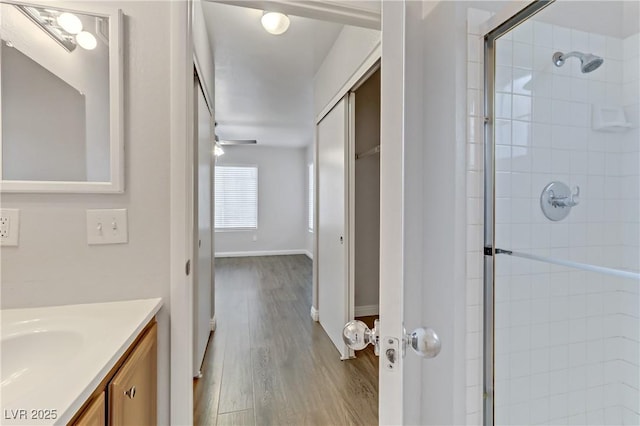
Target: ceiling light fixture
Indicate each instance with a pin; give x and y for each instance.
(217, 150)
(86, 40)
(275, 23)
(69, 22)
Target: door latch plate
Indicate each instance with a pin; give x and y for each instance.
(391, 352)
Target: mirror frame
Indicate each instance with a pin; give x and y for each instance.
(116, 117)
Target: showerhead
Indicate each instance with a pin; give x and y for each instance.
(588, 62)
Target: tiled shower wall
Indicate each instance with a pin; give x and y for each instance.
(566, 341)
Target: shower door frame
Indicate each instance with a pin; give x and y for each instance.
(489, 199)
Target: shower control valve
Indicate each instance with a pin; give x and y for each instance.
(557, 199)
(565, 201)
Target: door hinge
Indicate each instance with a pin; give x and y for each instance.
(187, 267)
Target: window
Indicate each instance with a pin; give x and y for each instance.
(310, 195)
(236, 197)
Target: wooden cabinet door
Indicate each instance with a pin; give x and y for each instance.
(133, 390)
(94, 415)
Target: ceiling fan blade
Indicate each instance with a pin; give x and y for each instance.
(237, 141)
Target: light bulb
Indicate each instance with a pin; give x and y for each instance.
(86, 40)
(69, 22)
(275, 23)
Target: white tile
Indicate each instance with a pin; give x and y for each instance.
(614, 71)
(539, 358)
(504, 79)
(631, 46)
(541, 133)
(561, 38)
(474, 48)
(541, 84)
(579, 40)
(502, 105)
(520, 211)
(520, 364)
(561, 112)
(579, 90)
(522, 81)
(522, 107)
(475, 18)
(503, 158)
(540, 410)
(561, 87)
(542, 34)
(524, 32)
(557, 405)
(630, 69)
(597, 92)
(543, 59)
(558, 336)
(473, 75)
(522, 55)
(473, 102)
(598, 44)
(504, 52)
(521, 159)
(614, 48)
(560, 161)
(542, 110)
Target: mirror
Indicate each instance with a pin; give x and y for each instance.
(61, 100)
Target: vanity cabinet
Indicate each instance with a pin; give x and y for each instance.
(128, 394)
(132, 391)
(94, 414)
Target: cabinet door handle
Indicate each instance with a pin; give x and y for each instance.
(131, 392)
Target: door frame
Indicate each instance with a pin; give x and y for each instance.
(181, 178)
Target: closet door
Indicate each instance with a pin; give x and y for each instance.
(334, 304)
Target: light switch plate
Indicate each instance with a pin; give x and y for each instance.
(107, 226)
(9, 227)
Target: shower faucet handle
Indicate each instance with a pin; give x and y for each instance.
(565, 201)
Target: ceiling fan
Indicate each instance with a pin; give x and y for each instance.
(225, 142)
(234, 141)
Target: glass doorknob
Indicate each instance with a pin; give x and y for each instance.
(424, 341)
(357, 335)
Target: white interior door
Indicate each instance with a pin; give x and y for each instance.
(334, 304)
(203, 278)
(422, 212)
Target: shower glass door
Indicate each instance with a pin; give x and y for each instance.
(562, 259)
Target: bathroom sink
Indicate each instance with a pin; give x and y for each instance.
(29, 357)
(54, 357)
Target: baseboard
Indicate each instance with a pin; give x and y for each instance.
(213, 323)
(260, 253)
(315, 314)
(367, 310)
(309, 254)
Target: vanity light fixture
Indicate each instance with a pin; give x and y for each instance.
(69, 22)
(86, 40)
(275, 23)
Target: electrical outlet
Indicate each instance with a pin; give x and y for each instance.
(107, 226)
(9, 227)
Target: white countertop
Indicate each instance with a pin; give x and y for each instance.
(53, 358)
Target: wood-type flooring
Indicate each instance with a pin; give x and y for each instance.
(269, 363)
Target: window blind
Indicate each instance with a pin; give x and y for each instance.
(310, 196)
(236, 197)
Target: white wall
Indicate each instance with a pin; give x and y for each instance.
(203, 53)
(349, 51)
(53, 264)
(282, 217)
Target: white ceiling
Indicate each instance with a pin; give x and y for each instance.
(264, 83)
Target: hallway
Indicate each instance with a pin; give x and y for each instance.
(269, 363)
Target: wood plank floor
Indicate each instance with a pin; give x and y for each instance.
(268, 363)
